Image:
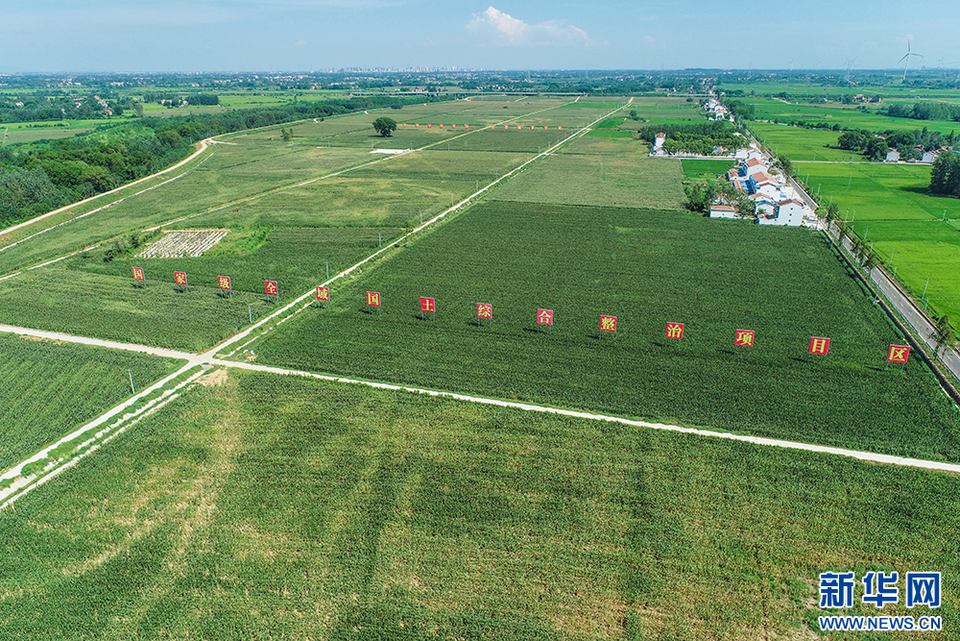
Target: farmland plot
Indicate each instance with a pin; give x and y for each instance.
(50, 389)
(625, 179)
(647, 268)
(89, 297)
(278, 506)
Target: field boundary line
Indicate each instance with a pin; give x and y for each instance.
(862, 455)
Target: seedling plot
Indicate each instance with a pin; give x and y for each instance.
(176, 244)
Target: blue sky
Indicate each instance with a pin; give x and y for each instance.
(316, 35)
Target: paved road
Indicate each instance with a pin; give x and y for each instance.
(922, 324)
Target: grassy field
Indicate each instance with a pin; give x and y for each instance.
(256, 163)
(278, 507)
(646, 268)
(13, 136)
(50, 389)
(704, 170)
(599, 171)
(319, 203)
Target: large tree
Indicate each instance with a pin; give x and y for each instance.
(385, 126)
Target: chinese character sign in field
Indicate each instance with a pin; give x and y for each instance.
(427, 304)
(898, 354)
(323, 293)
(608, 323)
(373, 299)
(675, 330)
(819, 345)
(744, 338)
(270, 288)
(544, 317)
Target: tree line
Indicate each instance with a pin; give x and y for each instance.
(924, 111)
(700, 138)
(945, 175)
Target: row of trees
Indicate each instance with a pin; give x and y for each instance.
(945, 175)
(910, 144)
(924, 111)
(700, 138)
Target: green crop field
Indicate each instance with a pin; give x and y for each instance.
(89, 297)
(845, 116)
(261, 506)
(798, 144)
(51, 389)
(631, 180)
(704, 170)
(890, 208)
(319, 203)
(281, 507)
(13, 136)
(646, 268)
(878, 191)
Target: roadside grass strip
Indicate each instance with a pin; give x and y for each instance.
(54, 459)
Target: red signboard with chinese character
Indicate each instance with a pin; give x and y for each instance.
(819, 345)
(608, 323)
(180, 278)
(675, 330)
(323, 293)
(373, 299)
(544, 317)
(223, 282)
(744, 338)
(429, 126)
(484, 310)
(466, 126)
(427, 304)
(138, 273)
(898, 353)
(270, 287)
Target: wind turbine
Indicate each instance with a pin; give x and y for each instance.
(906, 59)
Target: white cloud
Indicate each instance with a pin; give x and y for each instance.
(497, 27)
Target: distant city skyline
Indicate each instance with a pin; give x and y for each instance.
(318, 35)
